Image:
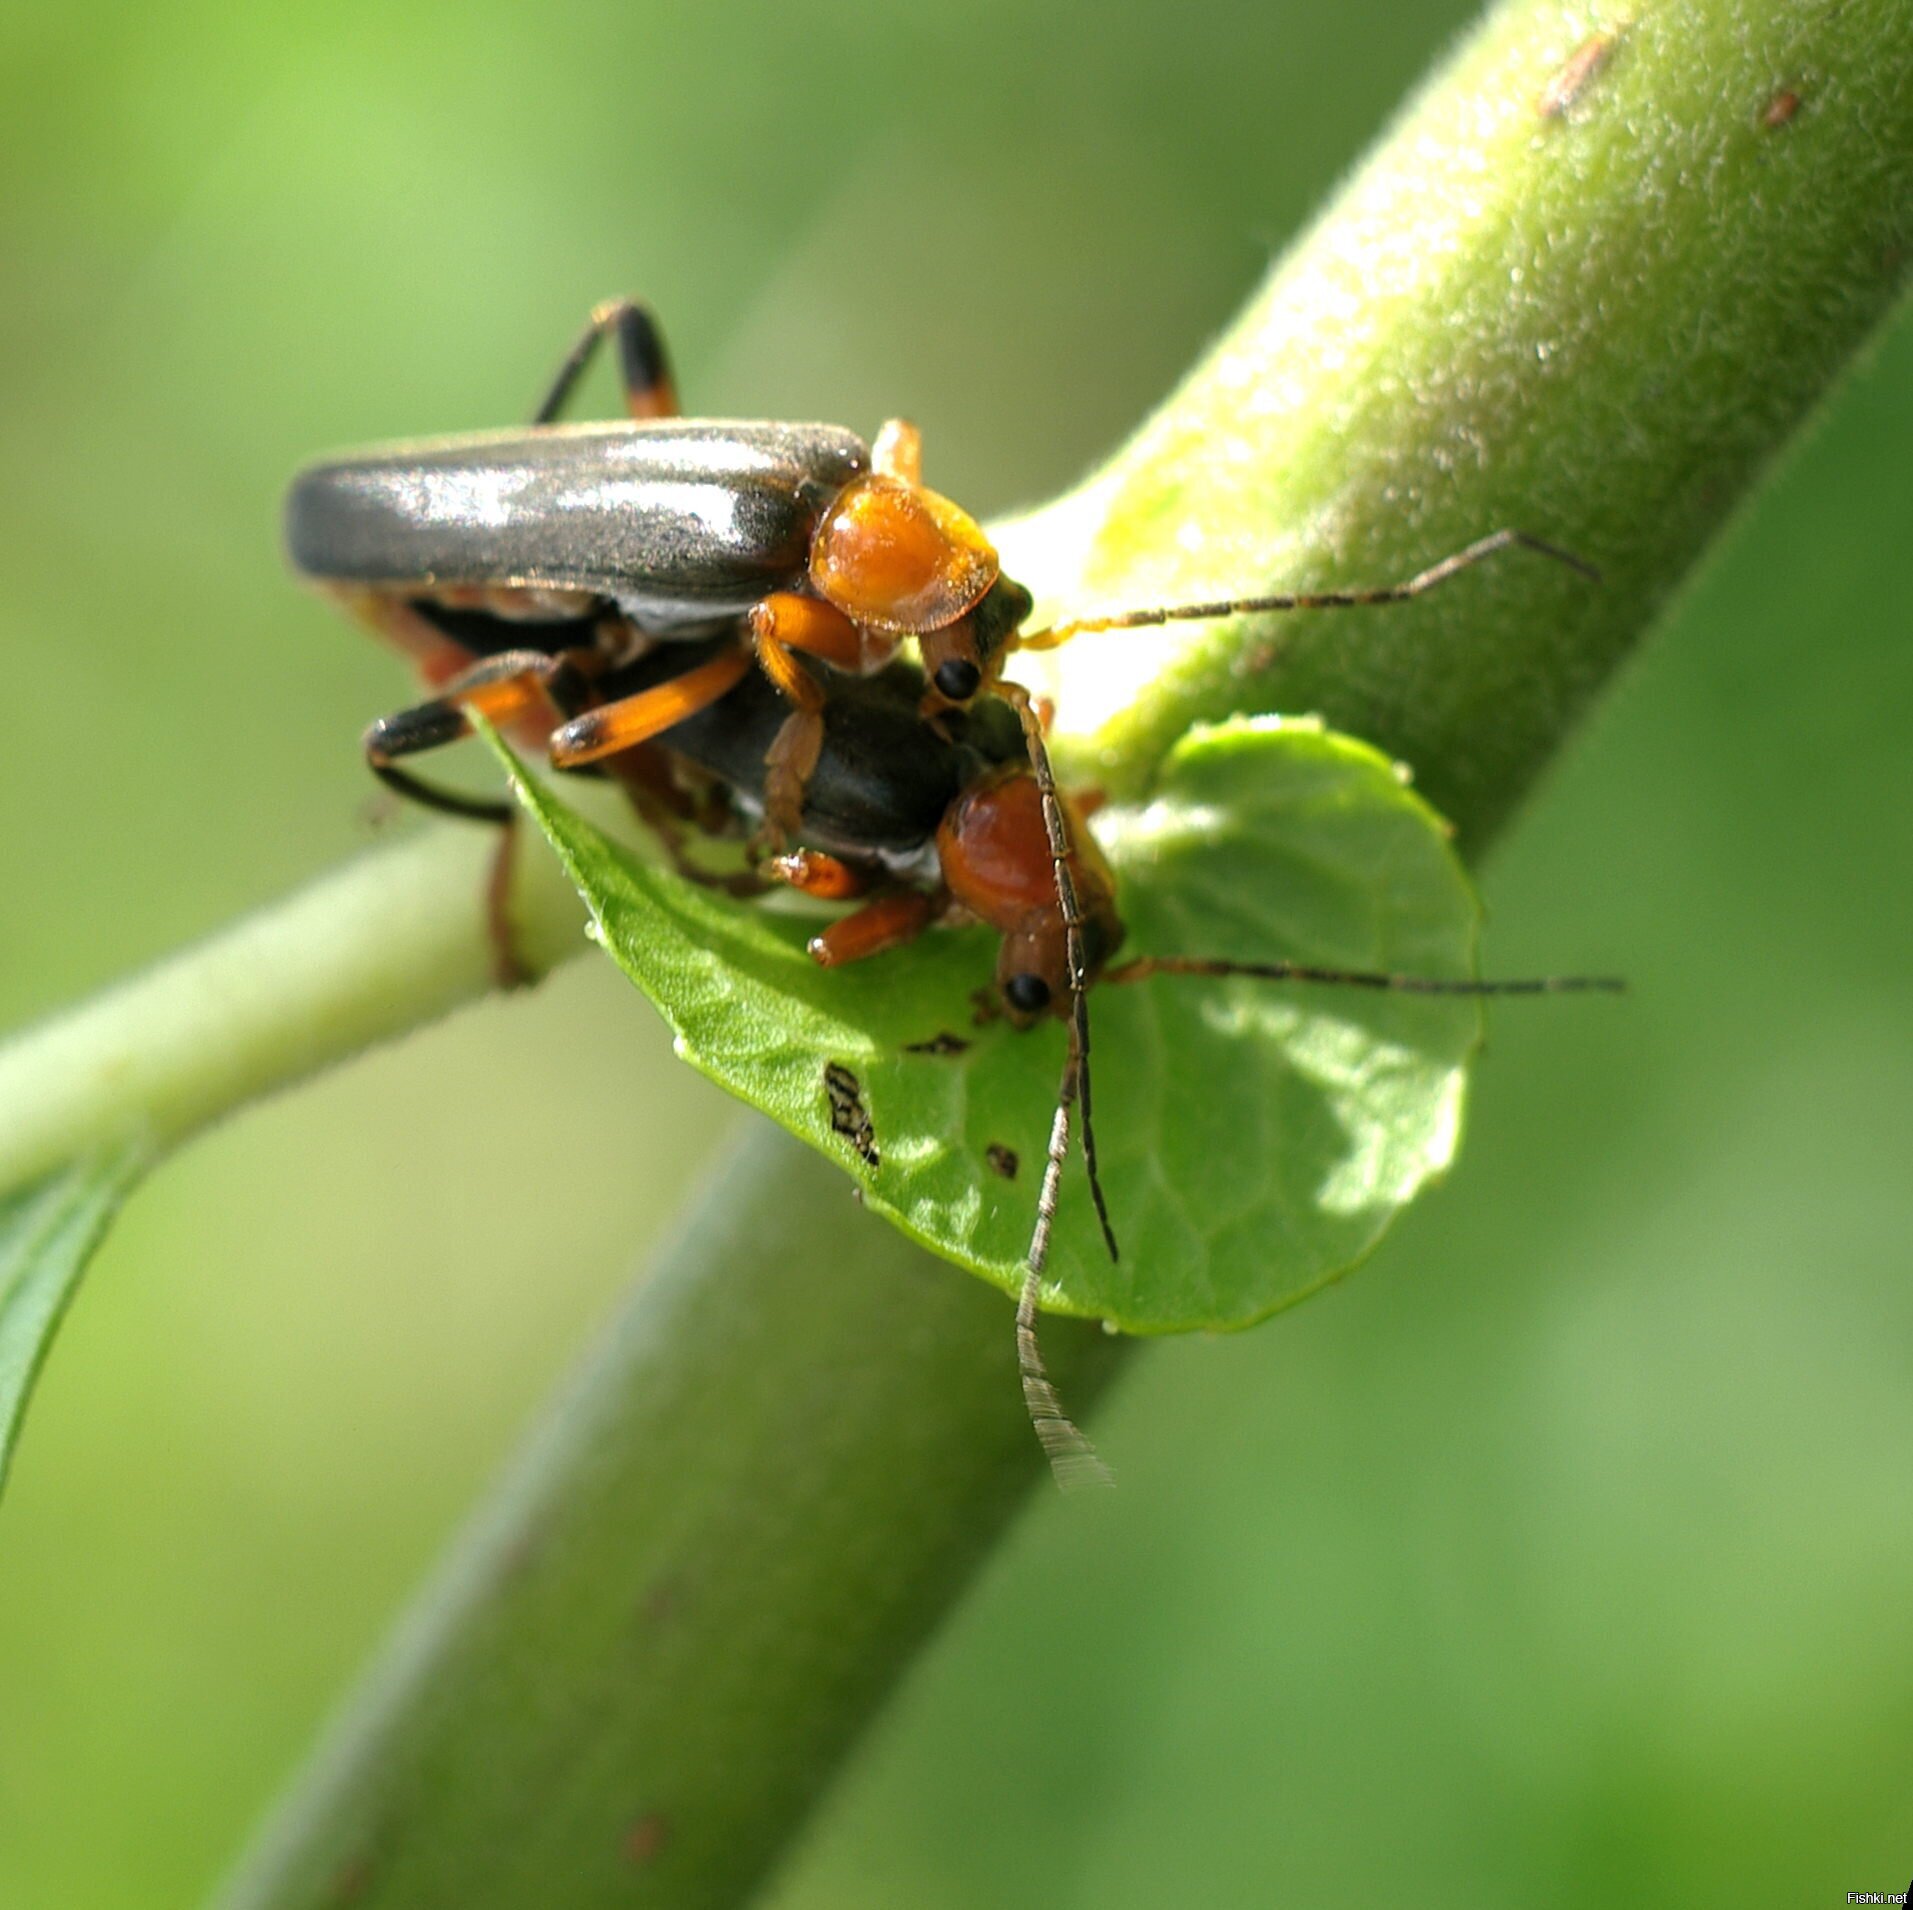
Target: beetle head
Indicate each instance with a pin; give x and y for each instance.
(994, 850)
(966, 657)
(1032, 966)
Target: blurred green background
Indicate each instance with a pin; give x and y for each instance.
(1565, 1556)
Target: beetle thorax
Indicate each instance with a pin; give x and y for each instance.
(897, 557)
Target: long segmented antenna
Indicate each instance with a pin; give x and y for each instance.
(1056, 829)
(1424, 580)
(1073, 1459)
(1146, 965)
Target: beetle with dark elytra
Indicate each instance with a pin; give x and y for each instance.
(609, 586)
(520, 568)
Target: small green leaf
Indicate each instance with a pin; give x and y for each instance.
(1255, 1138)
(47, 1235)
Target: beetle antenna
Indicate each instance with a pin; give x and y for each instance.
(1072, 1457)
(1424, 580)
(1146, 965)
(1079, 1041)
(1056, 829)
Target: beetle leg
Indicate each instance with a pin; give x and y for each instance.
(811, 872)
(507, 970)
(888, 922)
(499, 689)
(784, 621)
(789, 764)
(642, 363)
(898, 451)
(646, 713)
(783, 625)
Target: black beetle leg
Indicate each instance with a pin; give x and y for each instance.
(499, 688)
(642, 362)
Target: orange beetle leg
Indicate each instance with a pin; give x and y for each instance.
(898, 451)
(782, 625)
(888, 922)
(788, 765)
(638, 718)
(502, 698)
(813, 873)
(785, 622)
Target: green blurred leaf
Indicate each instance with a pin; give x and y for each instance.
(1256, 1138)
(47, 1235)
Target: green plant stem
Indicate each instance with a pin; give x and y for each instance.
(1595, 310)
(372, 950)
(688, 1594)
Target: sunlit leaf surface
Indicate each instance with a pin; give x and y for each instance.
(1256, 1138)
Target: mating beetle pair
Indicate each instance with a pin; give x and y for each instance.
(554, 554)
(732, 597)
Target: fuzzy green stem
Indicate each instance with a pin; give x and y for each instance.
(1590, 285)
(374, 949)
(638, 1669)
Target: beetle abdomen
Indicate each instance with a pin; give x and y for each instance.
(678, 522)
(884, 777)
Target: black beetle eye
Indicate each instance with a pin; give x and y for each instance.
(1027, 994)
(958, 679)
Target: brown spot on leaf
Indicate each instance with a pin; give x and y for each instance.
(938, 1044)
(1780, 109)
(847, 1114)
(646, 1837)
(1002, 1160)
(661, 1601)
(351, 1880)
(1575, 74)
